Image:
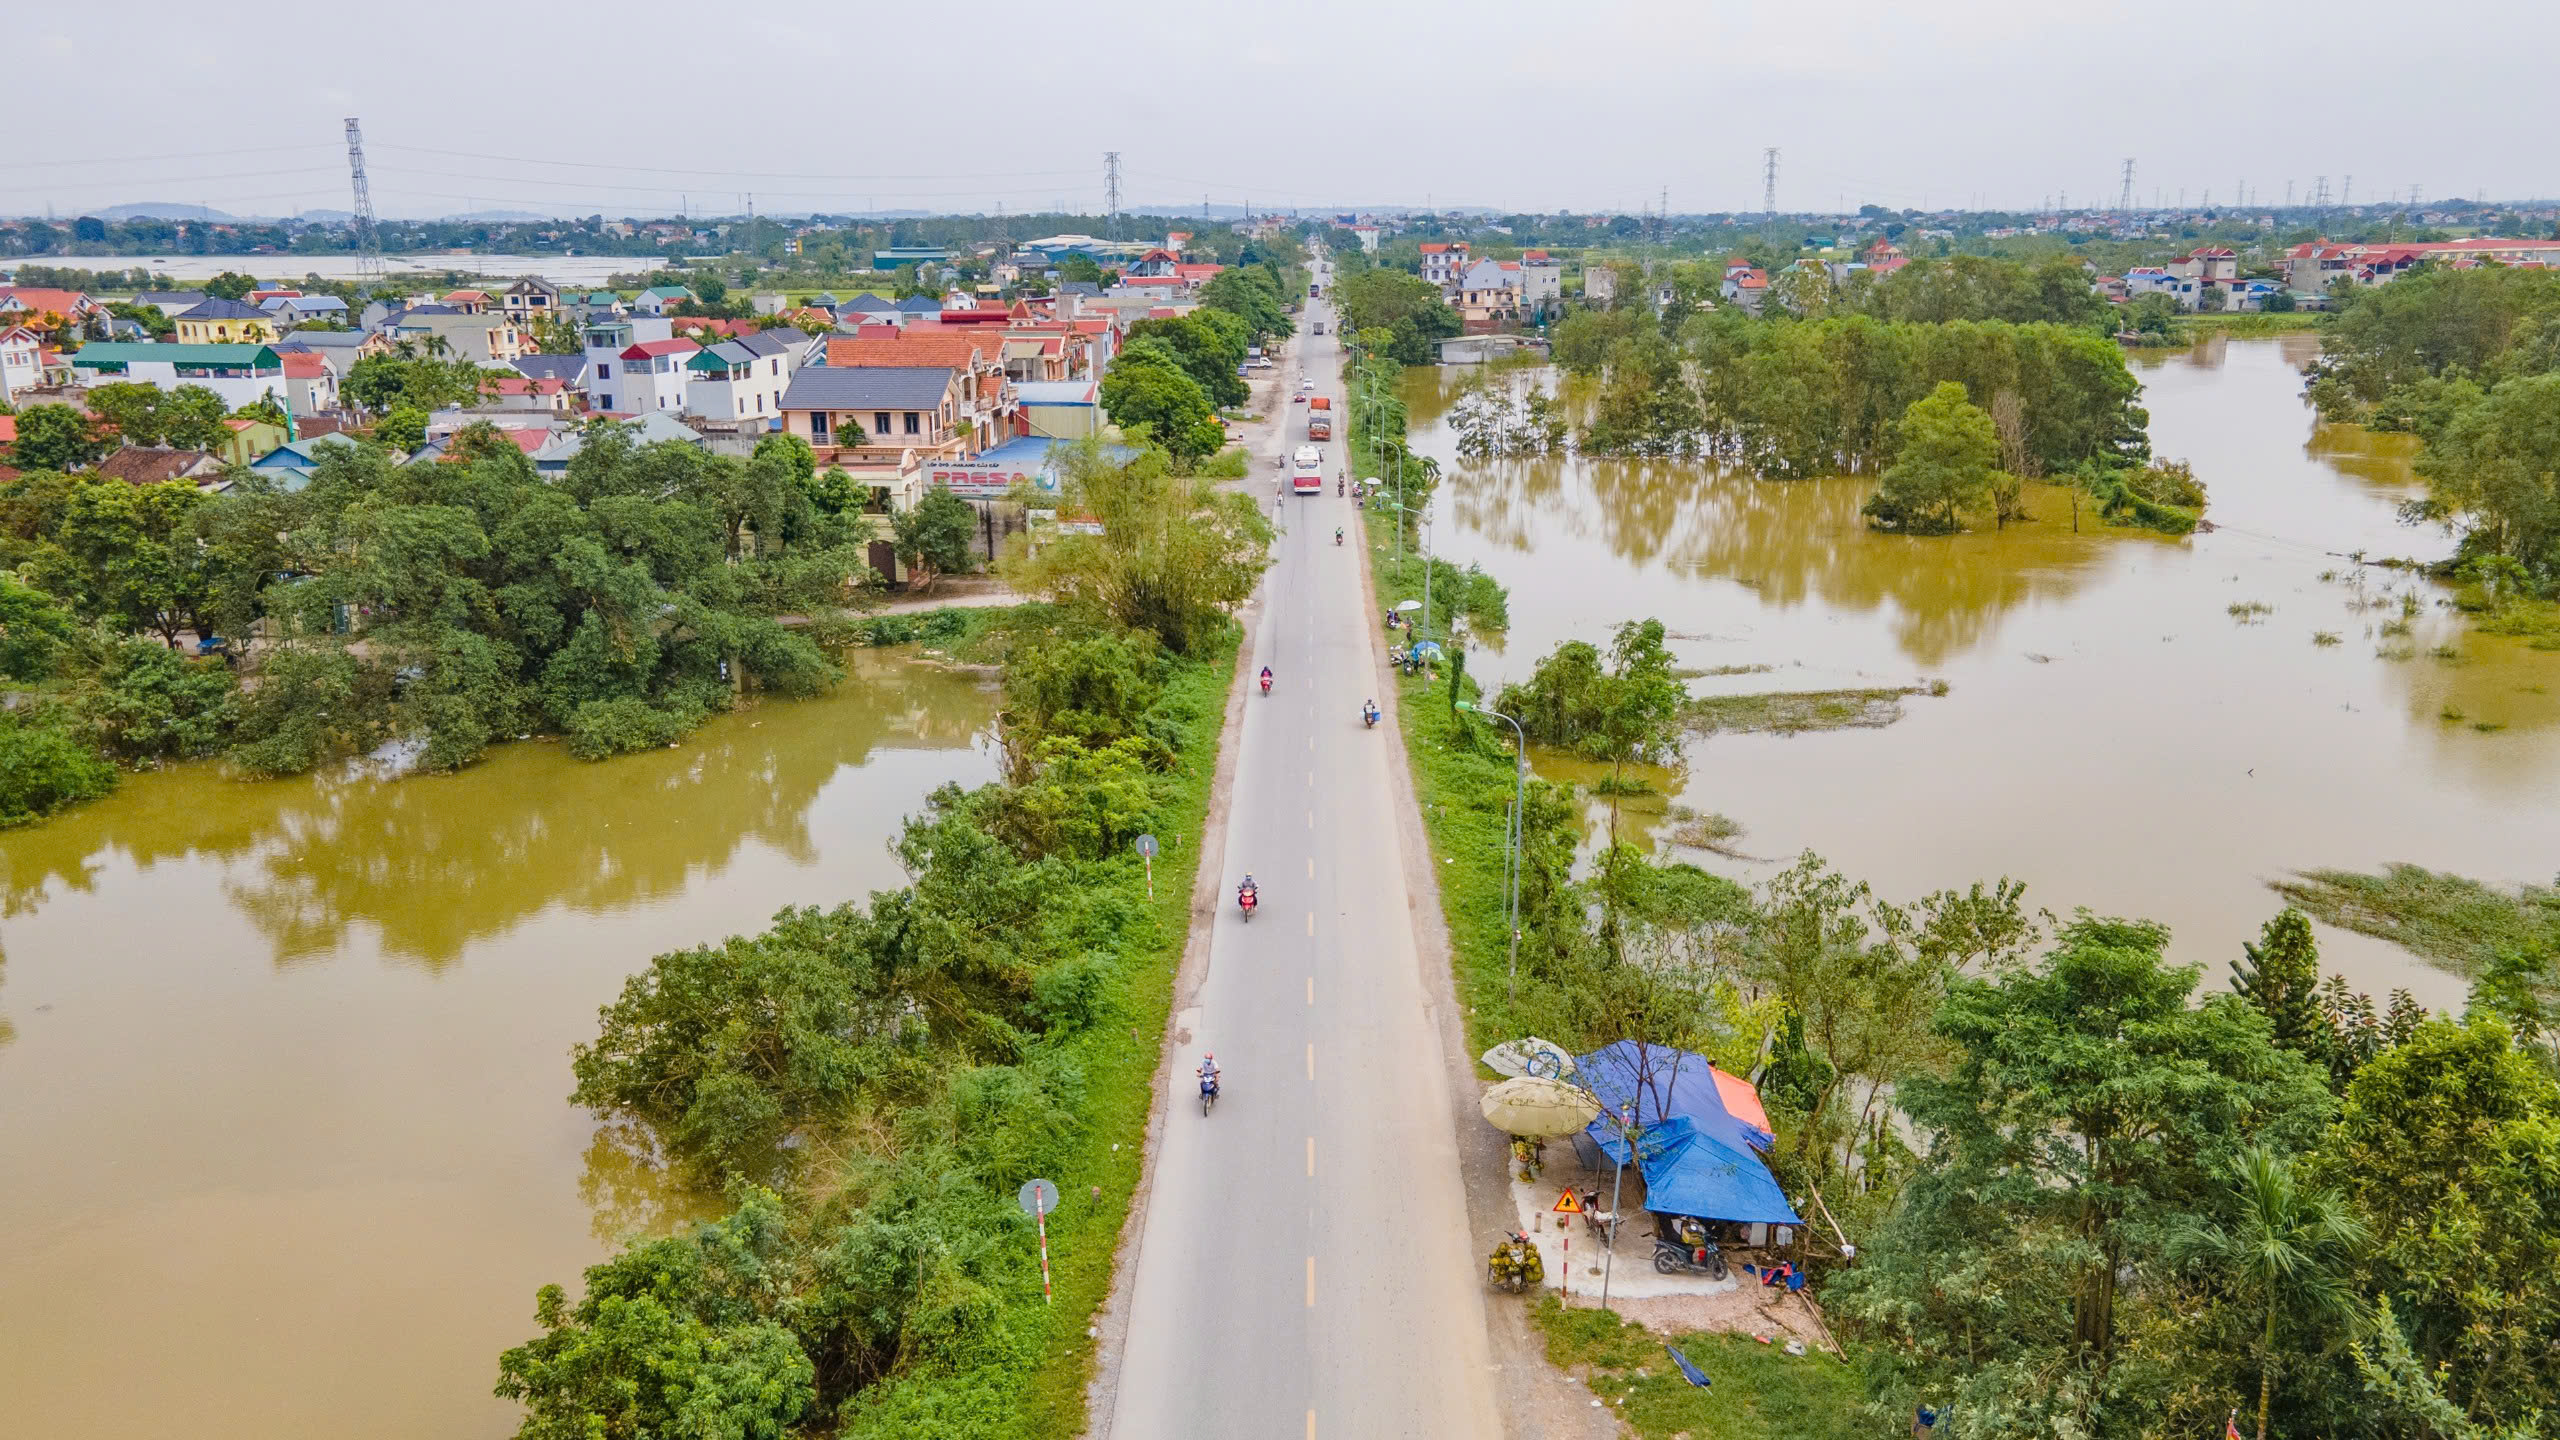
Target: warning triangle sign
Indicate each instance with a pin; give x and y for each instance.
(1568, 1203)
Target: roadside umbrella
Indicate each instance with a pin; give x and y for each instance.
(1529, 1055)
(1426, 649)
(1536, 1108)
(1408, 605)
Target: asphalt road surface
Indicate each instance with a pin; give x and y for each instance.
(1306, 1266)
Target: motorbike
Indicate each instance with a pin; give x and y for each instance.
(1337, 485)
(1515, 1264)
(1208, 1093)
(1247, 901)
(1689, 1250)
(1337, 534)
(1369, 716)
(1266, 684)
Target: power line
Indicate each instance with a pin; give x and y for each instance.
(739, 174)
(162, 155)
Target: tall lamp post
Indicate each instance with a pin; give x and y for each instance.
(1513, 841)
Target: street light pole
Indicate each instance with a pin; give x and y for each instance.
(1519, 840)
(1617, 1196)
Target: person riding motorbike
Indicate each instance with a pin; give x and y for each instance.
(1248, 895)
(1337, 534)
(1338, 485)
(1209, 1074)
(1369, 712)
(1266, 679)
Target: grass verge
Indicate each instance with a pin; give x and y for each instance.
(1120, 1073)
(1760, 1391)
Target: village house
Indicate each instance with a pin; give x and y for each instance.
(1541, 281)
(42, 309)
(876, 412)
(482, 339)
(530, 299)
(170, 302)
(654, 375)
(1444, 264)
(241, 374)
(294, 311)
(660, 299)
(523, 392)
(982, 414)
(469, 302)
(225, 322)
(310, 386)
(21, 363)
(248, 440)
(158, 465)
(1599, 284)
(729, 381)
(1489, 295)
(1744, 284)
(341, 349)
(569, 370)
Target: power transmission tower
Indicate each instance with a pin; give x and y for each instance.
(2125, 201)
(2347, 191)
(1769, 182)
(2320, 192)
(2288, 194)
(1111, 192)
(368, 243)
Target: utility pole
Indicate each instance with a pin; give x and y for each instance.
(2288, 194)
(1769, 183)
(368, 242)
(2125, 202)
(1111, 193)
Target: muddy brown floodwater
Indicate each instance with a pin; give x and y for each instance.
(2113, 734)
(284, 1142)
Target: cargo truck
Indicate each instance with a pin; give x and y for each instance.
(1320, 418)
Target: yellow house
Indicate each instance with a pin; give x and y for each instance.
(225, 322)
(248, 440)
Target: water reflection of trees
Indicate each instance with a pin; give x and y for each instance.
(434, 863)
(1793, 542)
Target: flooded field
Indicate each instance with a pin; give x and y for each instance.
(284, 1142)
(2133, 723)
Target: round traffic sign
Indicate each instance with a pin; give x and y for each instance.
(1037, 1197)
(1146, 847)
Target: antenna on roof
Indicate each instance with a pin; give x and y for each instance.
(368, 242)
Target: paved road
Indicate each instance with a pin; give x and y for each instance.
(1306, 1266)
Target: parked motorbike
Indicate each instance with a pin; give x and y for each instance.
(1690, 1250)
(1515, 1264)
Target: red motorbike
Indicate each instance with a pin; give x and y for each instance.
(1246, 901)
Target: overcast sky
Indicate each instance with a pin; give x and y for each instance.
(640, 107)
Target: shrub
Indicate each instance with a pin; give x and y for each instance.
(150, 704)
(45, 766)
(600, 729)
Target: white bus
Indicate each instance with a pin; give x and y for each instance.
(1306, 471)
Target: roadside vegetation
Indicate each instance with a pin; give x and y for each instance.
(868, 1086)
(1173, 376)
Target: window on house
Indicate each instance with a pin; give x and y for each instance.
(913, 428)
(880, 423)
(603, 371)
(818, 425)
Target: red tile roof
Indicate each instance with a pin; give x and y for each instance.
(648, 348)
(38, 299)
(303, 365)
(915, 349)
(8, 429)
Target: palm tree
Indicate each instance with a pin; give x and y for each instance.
(2292, 1244)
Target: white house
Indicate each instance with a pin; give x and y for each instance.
(1443, 264)
(1542, 279)
(607, 336)
(653, 374)
(21, 362)
(240, 374)
(293, 310)
(731, 382)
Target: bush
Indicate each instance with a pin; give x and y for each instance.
(150, 704)
(310, 706)
(600, 729)
(44, 766)
(33, 632)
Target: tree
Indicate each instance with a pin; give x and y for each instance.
(2496, 468)
(1251, 293)
(1209, 344)
(2291, 1243)
(34, 632)
(1646, 406)
(1948, 452)
(1148, 387)
(1079, 269)
(933, 539)
(230, 285)
(55, 437)
(191, 418)
(45, 766)
(673, 1337)
(402, 427)
(132, 407)
(2087, 1110)
(1175, 557)
(2280, 974)
(2448, 1148)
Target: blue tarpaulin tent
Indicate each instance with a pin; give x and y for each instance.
(1696, 1158)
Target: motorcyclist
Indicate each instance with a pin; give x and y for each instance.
(1368, 712)
(1338, 483)
(1266, 679)
(1337, 534)
(1209, 1073)
(1248, 894)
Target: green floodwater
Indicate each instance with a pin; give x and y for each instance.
(284, 1142)
(2112, 735)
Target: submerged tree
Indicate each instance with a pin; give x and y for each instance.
(1950, 451)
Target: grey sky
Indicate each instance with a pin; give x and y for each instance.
(642, 106)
